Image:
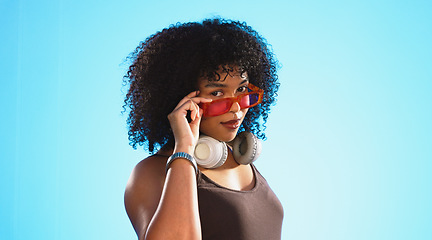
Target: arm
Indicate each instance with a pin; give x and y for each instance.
(167, 208)
(161, 209)
(177, 216)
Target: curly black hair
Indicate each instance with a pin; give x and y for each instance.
(167, 65)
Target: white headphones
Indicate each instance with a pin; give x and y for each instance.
(212, 153)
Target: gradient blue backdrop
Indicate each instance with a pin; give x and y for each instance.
(349, 141)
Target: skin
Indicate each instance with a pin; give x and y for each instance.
(165, 206)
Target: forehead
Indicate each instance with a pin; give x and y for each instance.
(225, 76)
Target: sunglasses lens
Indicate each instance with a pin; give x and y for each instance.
(249, 100)
(222, 106)
(218, 107)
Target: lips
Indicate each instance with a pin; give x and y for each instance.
(233, 124)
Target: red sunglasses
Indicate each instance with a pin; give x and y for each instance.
(245, 100)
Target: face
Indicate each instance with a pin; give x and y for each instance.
(224, 127)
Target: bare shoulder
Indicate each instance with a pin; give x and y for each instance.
(143, 191)
(149, 170)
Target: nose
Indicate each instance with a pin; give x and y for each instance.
(235, 107)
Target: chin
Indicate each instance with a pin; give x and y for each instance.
(224, 136)
(216, 128)
(228, 138)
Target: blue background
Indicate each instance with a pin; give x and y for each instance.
(349, 149)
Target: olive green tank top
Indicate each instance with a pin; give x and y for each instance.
(229, 214)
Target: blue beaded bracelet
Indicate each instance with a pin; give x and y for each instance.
(182, 155)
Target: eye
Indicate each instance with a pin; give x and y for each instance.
(216, 93)
(242, 89)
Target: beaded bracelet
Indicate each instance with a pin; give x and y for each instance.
(181, 155)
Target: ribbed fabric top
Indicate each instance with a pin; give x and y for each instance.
(229, 214)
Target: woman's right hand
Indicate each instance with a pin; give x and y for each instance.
(186, 133)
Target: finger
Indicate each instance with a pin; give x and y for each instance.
(196, 100)
(195, 111)
(184, 103)
(197, 119)
(189, 105)
(193, 94)
(187, 98)
(199, 111)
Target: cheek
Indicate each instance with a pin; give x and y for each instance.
(244, 111)
(206, 123)
(206, 126)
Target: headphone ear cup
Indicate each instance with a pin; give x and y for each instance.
(246, 148)
(210, 153)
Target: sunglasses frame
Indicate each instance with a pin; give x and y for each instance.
(254, 89)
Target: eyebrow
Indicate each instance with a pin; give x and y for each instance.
(217, 84)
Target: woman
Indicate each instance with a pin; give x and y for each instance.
(216, 79)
